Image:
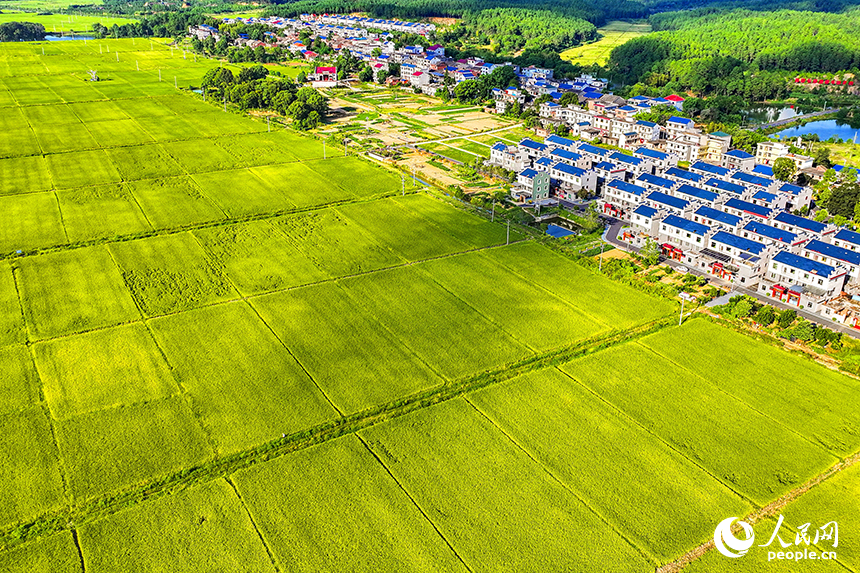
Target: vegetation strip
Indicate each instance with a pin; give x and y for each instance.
(179, 481)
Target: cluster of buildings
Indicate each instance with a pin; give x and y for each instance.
(428, 69)
(734, 222)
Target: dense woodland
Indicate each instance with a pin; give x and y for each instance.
(21, 32)
(744, 53)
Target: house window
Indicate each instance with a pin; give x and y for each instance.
(775, 266)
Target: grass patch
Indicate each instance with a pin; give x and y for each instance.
(99, 212)
(30, 221)
(173, 202)
(24, 175)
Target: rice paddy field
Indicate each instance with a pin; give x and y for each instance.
(612, 35)
(228, 350)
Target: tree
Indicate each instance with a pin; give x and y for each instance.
(822, 157)
(786, 317)
(821, 215)
(366, 74)
(743, 308)
(784, 169)
(380, 76)
(650, 252)
(765, 315)
(804, 330)
(302, 77)
(844, 195)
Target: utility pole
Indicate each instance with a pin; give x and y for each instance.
(600, 260)
(175, 83)
(402, 185)
(136, 63)
(159, 74)
(413, 175)
(508, 240)
(269, 123)
(681, 318)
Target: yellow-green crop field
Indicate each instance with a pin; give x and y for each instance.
(226, 348)
(59, 23)
(612, 35)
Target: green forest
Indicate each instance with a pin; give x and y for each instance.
(741, 52)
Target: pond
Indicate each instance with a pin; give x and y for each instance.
(825, 128)
(52, 38)
(768, 114)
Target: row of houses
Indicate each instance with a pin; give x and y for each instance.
(734, 223)
(422, 28)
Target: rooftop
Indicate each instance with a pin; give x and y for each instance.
(683, 174)
(833, 251)
(747, 207)
(628, 187)
(686, 225)
(656, 180)
(645, 211)
(804, 264)
(774, 233)
(719, 216)
(664, 199)
(702, 194)
(802, 222)
(739, 243)
(712, 169)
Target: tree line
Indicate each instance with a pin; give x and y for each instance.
(255, 88)
(21, 32)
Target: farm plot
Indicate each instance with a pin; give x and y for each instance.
(690, 414)
(19, 385)
(335, 244)
(339, 491)
(814, 401)
(201, 156)
(178, 532)
(108, 450)
(615, 304)
(72, 291)
(257, 257)
(101, 211)
(119, 132)
(402, 230)
(11, 320)
(496, 507)
(240, 192)
(30, 476)
(476, 148)
(102, 369)
(143, 162)
(170, 273)
(302, 185)
(245, 386)
(82, 169)
(472, 230)
(360, 178)
(446, 333)
(62, 137)
(355, 367)
(536, 319)
(262, 149)
(24, 175)
(665, 512)
(173, 202)
(18, 142)
(449, 152)
(30, 221)
(57, 554)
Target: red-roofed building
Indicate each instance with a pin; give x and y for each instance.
(675, 98)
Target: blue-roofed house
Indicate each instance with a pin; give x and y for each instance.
(733, 258)
(801, 281)
(683, 235)
(832, 255)
(684, 176)
(764, 233)
(570, 180)
(645, 219)
(691, 193)
(658, 159)
(733, 189)
(511, 157)
(563, 155)
(555, 141)
(621, 197)
(797, 224)
(764, 170)
(755, 181)
(714, 217)
(709, 170)
(630, 163)
(656, 183)
(533, 149)
(847, 240)
(671, 204)
(738, 159)
(739, 207)
(772, 201)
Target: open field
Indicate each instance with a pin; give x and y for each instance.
(612, 35)
(216, 336)
(57, 23)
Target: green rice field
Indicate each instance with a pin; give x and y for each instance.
(226, 350)
(612, 35)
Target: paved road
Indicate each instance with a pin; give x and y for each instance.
(611, 236)
(796, 118)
